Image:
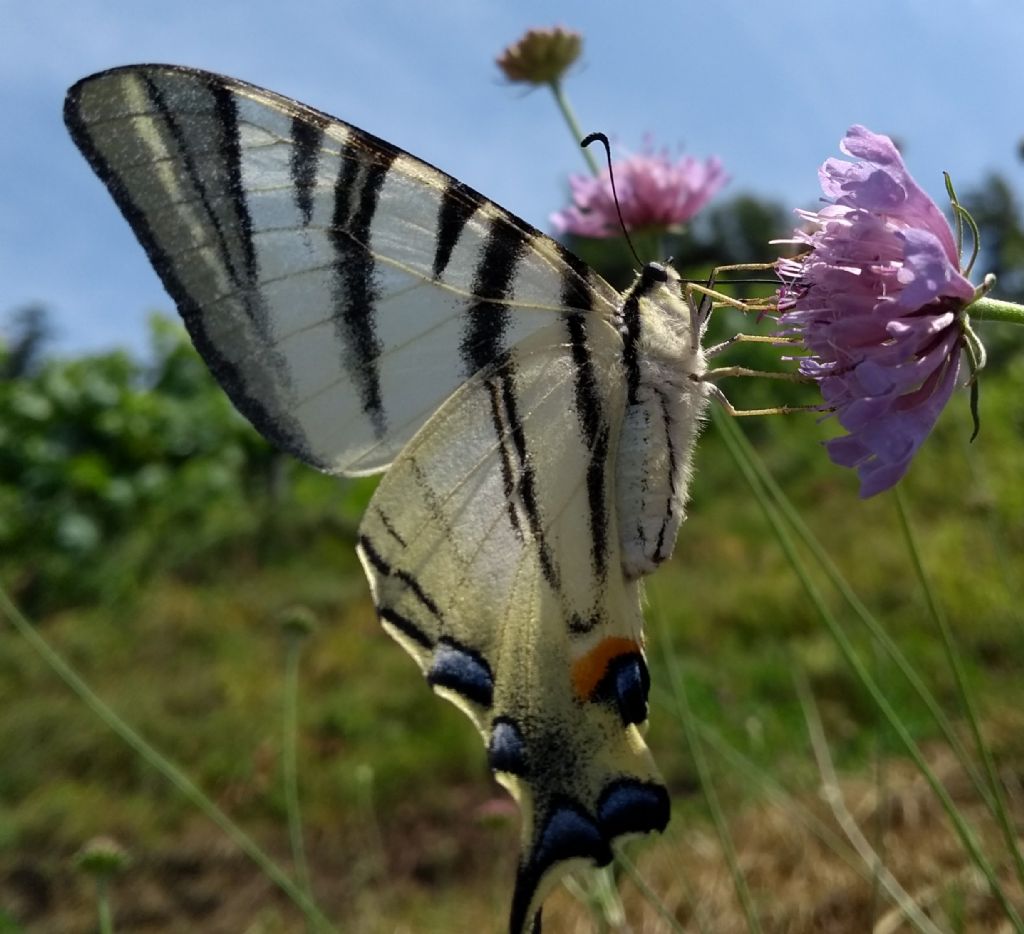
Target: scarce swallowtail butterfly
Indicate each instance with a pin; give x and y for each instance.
(367, 312)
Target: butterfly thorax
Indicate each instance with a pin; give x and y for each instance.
(665, 403)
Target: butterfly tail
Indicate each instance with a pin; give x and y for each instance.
(568, 837)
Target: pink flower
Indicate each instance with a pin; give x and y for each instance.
(878, 301)
(654, 192)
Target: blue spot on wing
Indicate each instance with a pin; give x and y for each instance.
(631, 685)
(463, 671)
(629, 806)
(570, 833)
(626, 684)
(506, 750)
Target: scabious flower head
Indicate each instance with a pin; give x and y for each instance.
(102, 857)
(878, 302)
(655, 192)
(541, 56)
(297, 622)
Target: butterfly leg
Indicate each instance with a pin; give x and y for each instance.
(720, 397)
(716, 349)
(723, 372)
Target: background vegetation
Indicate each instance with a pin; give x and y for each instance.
(155, 540)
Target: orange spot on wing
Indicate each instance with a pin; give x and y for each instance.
(588, 671)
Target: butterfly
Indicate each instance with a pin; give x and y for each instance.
(367, 312)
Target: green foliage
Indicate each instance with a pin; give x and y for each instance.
(8, 925)
(104, 461)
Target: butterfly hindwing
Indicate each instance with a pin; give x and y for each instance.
(496, 564)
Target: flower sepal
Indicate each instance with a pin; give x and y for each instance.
(974, 349)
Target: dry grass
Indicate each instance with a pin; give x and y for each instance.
(434, 882)
(801, 885)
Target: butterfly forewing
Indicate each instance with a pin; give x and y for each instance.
(315, 265)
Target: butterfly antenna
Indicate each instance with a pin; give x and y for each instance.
(603, 140)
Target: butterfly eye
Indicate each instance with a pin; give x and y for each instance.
(654, 273)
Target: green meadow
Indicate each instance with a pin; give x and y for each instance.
(156, 543)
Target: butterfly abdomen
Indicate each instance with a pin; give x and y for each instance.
(664, 408)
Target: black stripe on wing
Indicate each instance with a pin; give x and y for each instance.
(505, 455)
(483, 340)
(449, 665)
(307, 143)
(517, 463)
(408, 586)
(403, 577)
(458, 204)
(596, 435)
(275, 425)
(226, 108)
(242, 274)
(577, 293)
(356, 194)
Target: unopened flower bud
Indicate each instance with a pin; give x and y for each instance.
(541, 56)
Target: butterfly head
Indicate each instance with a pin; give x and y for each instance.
(658, 311)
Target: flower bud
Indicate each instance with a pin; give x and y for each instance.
(102, 857)
(297, 622)
(541, 56)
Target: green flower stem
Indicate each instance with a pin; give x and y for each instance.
(876, 629)
(158, 761)
(693, 740)
(995, 309)
(744, 462)
(106, 916)
(289, 766)
(963, 686)
(573, 124)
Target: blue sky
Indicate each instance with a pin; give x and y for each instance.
(770, 87)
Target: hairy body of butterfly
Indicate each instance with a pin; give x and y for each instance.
(365, 311)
